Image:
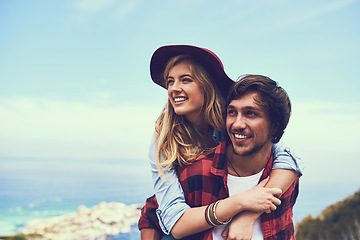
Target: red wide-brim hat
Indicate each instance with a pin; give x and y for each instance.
(209, 60)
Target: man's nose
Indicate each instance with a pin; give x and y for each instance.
(240, 122)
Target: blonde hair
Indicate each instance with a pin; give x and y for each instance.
(178, 141)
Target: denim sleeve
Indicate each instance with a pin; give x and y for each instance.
(219, 136)
(169, 194)
(284, 158)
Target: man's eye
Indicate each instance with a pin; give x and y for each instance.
(231, 112)
(250, 113)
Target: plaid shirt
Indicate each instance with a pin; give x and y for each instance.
(205, 181)
(148, 218)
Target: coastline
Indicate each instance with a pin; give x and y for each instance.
(107, 219)
(59, 189)
(127, 228)
(43, 188)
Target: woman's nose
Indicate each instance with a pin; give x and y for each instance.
(176, 86)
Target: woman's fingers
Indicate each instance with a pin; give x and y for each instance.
(263, 182)
(275, 191)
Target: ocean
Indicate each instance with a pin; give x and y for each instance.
(33, 188)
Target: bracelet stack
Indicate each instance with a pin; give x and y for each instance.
(210, 215)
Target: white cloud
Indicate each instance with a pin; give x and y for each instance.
(58, 129)
(326, 135)
(325, 124)
(126, 8)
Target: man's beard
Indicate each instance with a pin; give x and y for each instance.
(254, 150)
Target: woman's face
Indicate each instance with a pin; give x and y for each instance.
(184, 93)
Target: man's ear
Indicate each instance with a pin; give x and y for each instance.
(274, 129)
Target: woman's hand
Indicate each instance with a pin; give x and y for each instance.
(241, 227)
(260, 199)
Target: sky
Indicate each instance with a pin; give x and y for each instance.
(75, 81)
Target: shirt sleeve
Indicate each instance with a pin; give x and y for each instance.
(148, 218)
(169, 194)
(284, 158)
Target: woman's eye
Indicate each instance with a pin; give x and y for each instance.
(169, 82)
(187, 80)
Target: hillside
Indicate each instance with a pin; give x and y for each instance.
(339, 221)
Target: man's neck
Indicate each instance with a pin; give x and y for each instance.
(251, 164)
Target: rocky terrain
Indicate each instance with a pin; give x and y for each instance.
(104, 219)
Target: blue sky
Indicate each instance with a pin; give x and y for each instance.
(75, 80)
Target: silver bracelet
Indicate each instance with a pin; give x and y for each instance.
(208, 215)
(218, 221)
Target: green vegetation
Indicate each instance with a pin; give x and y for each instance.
(339, 221)
(21, 237)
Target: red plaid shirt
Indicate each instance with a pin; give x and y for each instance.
(205, 181)
(148, 218)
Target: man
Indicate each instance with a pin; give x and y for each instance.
(257, 113)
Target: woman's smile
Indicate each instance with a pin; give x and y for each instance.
(184, 92)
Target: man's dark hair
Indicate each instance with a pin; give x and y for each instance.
(272, 96)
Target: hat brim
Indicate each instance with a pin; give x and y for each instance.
(206, 58)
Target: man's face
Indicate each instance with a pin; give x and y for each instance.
(248, 125)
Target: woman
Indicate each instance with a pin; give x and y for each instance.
(191, 122)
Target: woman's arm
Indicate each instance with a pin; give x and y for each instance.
(284, 158)
(258, 199)
(169, 194)
(288, 168)
(282, 178)
(242, 225)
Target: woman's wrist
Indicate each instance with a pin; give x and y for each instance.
(211, 217)
(229, 207)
